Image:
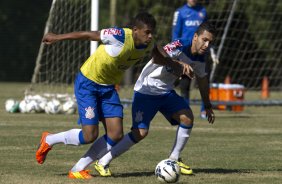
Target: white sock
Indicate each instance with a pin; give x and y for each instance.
(182, 136)
(99, 148)
(68, 137)
(121, 147)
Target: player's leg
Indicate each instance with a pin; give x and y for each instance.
(112, 114)
(184, 86)
(88, 117)
(178, 113)
(144, 108)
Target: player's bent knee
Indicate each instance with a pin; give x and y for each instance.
(140, 134)
(186, 120)
(90, 138)
(115, 136)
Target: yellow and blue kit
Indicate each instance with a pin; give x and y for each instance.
(94, 85)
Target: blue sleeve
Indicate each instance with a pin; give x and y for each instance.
(177, 25)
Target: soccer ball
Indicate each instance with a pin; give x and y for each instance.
(167, 171)
(53, 107)
(22, 106)
(11, 105)
(31, 106)
(41, 105)
(69, 107)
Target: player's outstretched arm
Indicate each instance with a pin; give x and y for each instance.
(204, 91)
(51, 38)
(160, 57)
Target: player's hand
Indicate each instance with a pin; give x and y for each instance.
(187, 70)
(49, 38)
(210, 115)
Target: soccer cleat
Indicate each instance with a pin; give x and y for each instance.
(102, 170)
(84, 174)
(43, 149)
(184, 169)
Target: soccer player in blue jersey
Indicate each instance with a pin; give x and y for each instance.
(154, 92)
(95, 93)
(186, 21)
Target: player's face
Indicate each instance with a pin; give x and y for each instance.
(202, 42)
(143, 35)
(192, 2)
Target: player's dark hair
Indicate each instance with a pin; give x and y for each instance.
(206, 26)
(144, 18)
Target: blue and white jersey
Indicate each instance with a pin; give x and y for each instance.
(186, 21)
(157, 79)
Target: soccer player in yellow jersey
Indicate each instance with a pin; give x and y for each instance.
(95, 93)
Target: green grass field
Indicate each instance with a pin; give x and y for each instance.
(239, 148)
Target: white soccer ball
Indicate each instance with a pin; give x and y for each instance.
(42, 105)
(69, 107)
(11, 105)
(22, 106)
(167, 171)
(53, 107)
(31, 106)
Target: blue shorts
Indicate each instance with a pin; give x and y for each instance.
(95, 101)
(145, 107)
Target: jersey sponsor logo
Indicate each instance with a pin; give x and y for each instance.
(189, 23)
(112, 31)
(138, 116)
(89, 112)
(173, 45)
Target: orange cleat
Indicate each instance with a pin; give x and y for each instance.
(43, 149)
(84, 174)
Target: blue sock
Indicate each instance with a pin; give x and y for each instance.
(81, 138)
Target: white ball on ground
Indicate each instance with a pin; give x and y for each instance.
(42, 105)
(32, 106)
(12, 105)
(167, 171)
(53, 107)
(23, 106)
(69, 107)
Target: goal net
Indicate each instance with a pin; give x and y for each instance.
(248, 42)
(57, 64)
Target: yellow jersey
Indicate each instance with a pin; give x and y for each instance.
(117, 53)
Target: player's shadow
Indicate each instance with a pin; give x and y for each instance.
(199, 170)
(133, 174)
(221, 171)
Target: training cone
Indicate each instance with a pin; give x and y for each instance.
(227, 80)
(264, 88)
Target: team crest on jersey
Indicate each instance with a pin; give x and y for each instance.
(173, 45)
(139, 116)
(89, 112)
(112, 31)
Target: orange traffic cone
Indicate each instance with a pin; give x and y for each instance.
(227, 80)
(264, 88)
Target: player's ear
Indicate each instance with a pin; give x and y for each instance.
(195, 37)
(134, 28)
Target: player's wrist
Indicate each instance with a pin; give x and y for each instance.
(208, 106)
